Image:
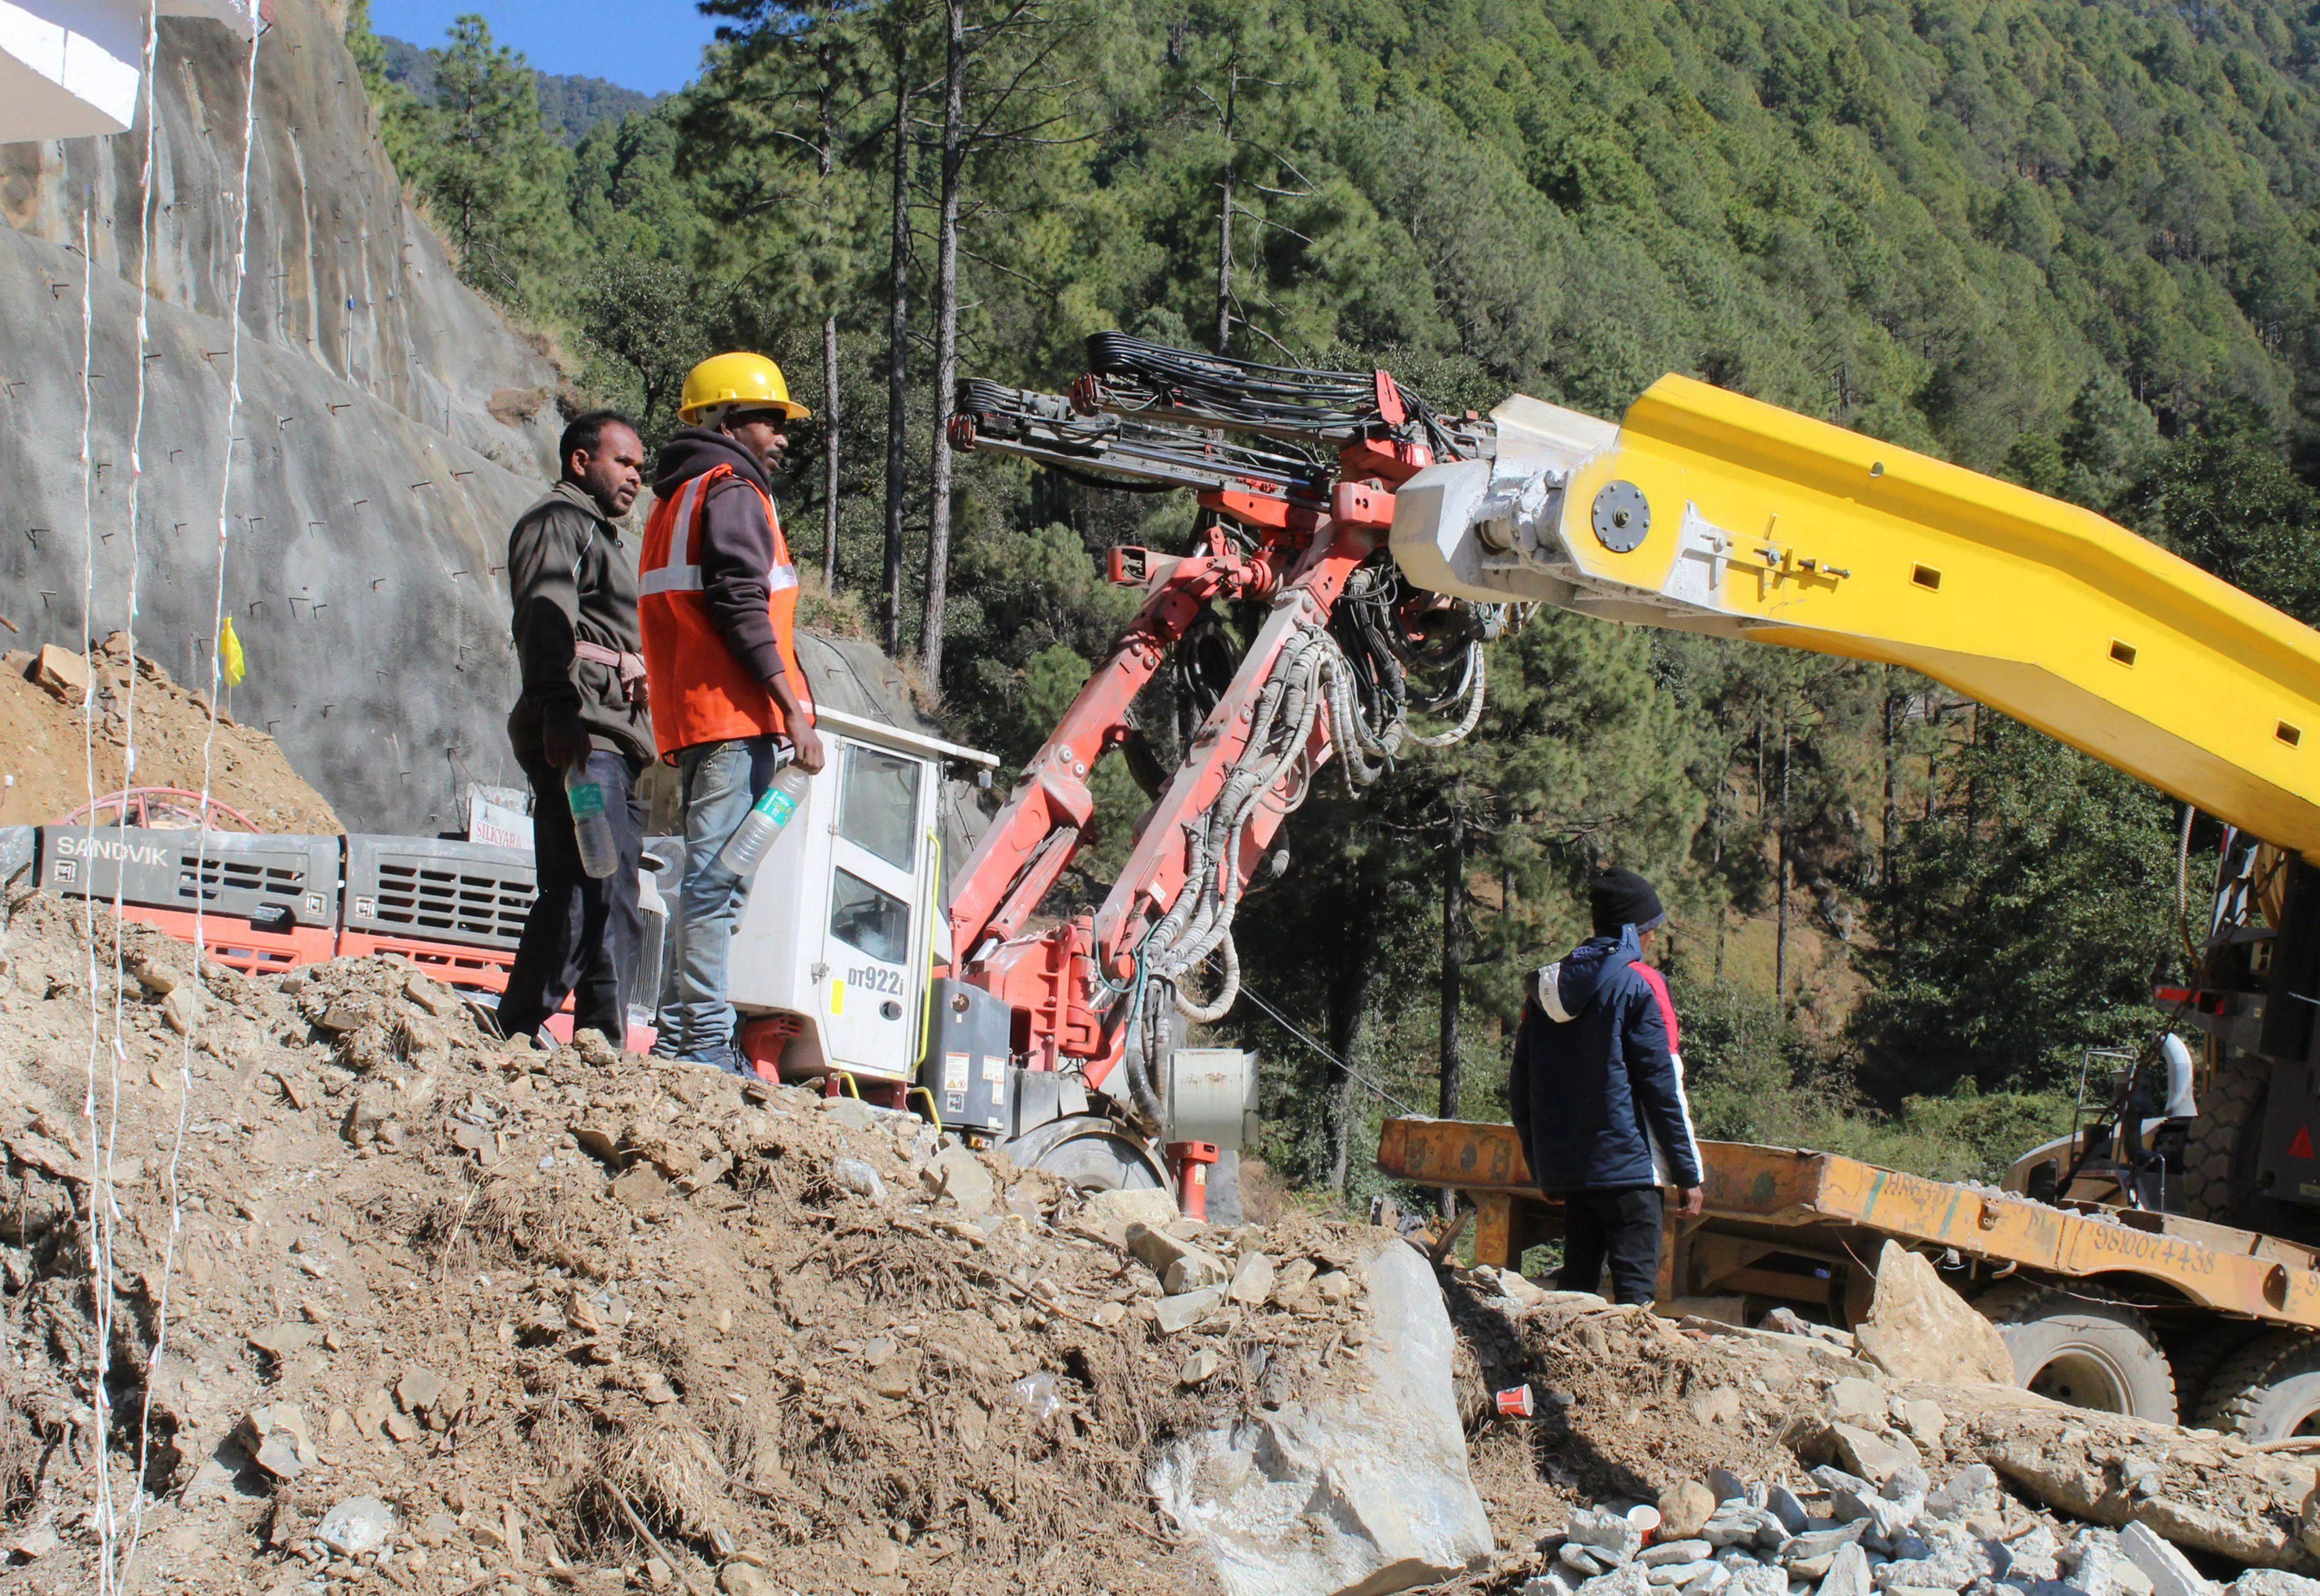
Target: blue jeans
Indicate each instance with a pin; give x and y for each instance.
(719, 781)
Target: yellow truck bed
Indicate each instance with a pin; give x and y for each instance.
(1805, 1227)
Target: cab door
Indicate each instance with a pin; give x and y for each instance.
(872, 941)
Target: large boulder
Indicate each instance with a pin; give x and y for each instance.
(1917, 1329)
(1354, 1497)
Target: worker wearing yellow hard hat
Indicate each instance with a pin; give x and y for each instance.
(718, 603)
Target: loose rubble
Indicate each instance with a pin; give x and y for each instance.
(459, 1315)
(1787, 1465)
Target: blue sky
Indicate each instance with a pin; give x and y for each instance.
(652, 45)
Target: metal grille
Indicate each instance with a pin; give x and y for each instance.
(467, 892)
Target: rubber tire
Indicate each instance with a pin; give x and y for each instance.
(2069, 1346)
(2197, 1353)
(2267, 1390)
(1090, 1152)
(2221, 1153)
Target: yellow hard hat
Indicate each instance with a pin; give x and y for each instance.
(742, 380)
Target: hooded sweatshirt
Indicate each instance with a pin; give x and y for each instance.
(1597, 1090)
(571, 579)
(737, 541)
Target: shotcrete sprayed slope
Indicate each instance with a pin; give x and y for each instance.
(391, 424)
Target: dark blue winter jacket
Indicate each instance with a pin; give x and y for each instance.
(1597, 1092)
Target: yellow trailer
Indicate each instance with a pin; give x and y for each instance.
(2154, 1314)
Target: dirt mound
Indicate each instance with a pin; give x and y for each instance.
(47, 751)
(573, 1316)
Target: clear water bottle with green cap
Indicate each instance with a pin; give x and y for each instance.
(600, 850)
(746, 850)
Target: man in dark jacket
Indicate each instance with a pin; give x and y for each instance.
(582, 705)
(1597, 1094)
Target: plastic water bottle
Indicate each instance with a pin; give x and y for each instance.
(600, 850)
(747, 849)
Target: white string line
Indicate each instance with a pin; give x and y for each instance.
(113, 1573)
(98, 1286)
(217, 615)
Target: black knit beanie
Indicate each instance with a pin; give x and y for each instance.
(1622, 898)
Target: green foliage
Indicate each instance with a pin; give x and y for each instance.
(2072, 243)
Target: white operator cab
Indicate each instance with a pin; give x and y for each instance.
(845, 919)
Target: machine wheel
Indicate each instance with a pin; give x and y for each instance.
(2197, 1353)
(1092, 1153)
(2083, 1350)
(2219, 1155)
(2268, 1390)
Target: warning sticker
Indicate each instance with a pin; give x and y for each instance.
(838, 997)
(2301, 1147)
(994, 1068)
(954, 1072)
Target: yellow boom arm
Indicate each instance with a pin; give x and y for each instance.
(1710, 512)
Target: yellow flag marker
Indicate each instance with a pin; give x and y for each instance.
(230, 657)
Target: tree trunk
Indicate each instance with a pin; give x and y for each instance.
(1892, 817)
(1349, 1000)
(1224, 216)
(1454, 976)
(898, 351)
(931, 629)
(1781, 933)
(1454, 959)
(829, 453)
(830, 439)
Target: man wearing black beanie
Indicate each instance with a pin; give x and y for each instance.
(1597, 1094)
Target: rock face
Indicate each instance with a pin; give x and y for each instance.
(1354, 1497)
(391, 425)
(1918, 1328)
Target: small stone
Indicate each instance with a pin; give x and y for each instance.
(1848, 1573)
(1333, 1286)
(1603, 1530)
(656, 1573)
(276, 1435)
(643, 1186)
(1200, 1367)
(1585, 1561)
(370, 1414)
(1712, 1579)
(181, 1010)
(401, 1426)
(739, 1579)
(857, 1175)
(1875, 1459)
(2170, 1572)
(35, 1544)
(1925, 1421)
(1718, 1406)
(62, 673)
(1629, 1579)
(1783, 1504)
(1187, 1309)
(279, 1342)
(1252, 1280)
(1181, 1266)
(2271, 1581)
(1959, 1494)
(1684, 1508)
(657, 1391)
(1143, 1205)
(959, 1176)
(1674, 1550)
(438, 1000)
(1724, 1485)
(1669, 1576)
(418, 1390)
(439, 1529)
(884, 1560)
(1858, 1401)
(361, 1524)
(348, 1014)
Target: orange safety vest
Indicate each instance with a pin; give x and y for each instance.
(699, 692)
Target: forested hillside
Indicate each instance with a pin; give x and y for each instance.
(2074, 243)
